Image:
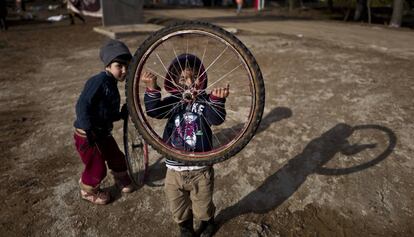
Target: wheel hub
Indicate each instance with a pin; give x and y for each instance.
(189, 95)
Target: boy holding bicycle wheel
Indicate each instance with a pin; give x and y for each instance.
(97, 108)
(190, 113)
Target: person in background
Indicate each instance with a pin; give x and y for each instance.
(72, 14)
(3, 15)
(239, 6)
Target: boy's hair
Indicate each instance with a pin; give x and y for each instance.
(180, 63)
(115, 51)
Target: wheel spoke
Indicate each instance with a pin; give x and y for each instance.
(153, 71)
(176, 57)
(168, 140)
(211, 64)
(210, 143)
(164, 106)
(202, 60)
(168, 112)
(229, 116)
(219, 113)
(221, 78)
(214, 135)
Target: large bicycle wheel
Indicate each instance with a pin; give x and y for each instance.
(136, 153)
(217, 59)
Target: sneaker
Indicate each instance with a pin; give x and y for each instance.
(98, 197)
(123, 181)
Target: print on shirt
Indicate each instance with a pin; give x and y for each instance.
(185, 131)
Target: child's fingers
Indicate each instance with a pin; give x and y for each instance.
(153, 76)
(214, 92)
(227, 90)
(148, 76)
(149, 79)
(221, 92)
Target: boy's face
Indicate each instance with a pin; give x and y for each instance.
(118, 70)
(188, 79)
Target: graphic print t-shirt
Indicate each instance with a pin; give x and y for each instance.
(184, 134)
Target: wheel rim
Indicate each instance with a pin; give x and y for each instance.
(223, 62)
(135, 152)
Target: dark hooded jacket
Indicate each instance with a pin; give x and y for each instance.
(189, 124)
(98, 105)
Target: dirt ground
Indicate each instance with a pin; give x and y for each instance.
(333, 155)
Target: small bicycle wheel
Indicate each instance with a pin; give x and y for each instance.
(216, 59)
(136, 153)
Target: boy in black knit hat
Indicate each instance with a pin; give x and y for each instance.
(97, 108)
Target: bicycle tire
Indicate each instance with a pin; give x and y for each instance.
(257, 87)
(136, 153)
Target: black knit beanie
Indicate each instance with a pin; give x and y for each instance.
(114, 50)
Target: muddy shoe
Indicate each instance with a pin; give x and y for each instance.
(123, 181)
(99, 197)
(94, 194)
